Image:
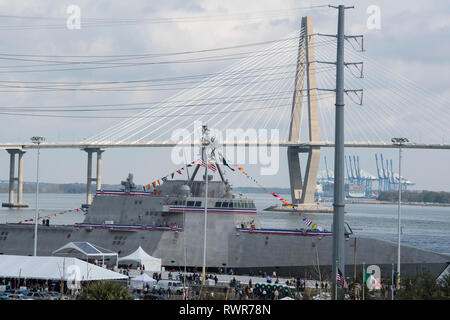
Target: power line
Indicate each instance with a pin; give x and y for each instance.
(103, 22)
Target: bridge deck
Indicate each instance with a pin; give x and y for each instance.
(324, 144)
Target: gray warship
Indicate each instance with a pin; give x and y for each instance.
(168, 223)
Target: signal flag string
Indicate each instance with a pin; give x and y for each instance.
(54, 214)
(308, 222)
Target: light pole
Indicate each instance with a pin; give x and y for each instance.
(184, 247)
(38, 141)
(399, 142)
(205, 143)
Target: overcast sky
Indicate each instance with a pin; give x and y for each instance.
(413, 41)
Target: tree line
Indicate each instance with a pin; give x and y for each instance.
(30, 187)
(424, 196)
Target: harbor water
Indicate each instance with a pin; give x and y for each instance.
(423, 226)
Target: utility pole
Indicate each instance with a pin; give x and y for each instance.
(339, 156)
(339, 184)
(399, 142)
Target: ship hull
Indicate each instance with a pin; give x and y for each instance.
(171, 227)
(287, 254)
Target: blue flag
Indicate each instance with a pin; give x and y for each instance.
(226, 164)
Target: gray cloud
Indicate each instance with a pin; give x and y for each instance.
(413, 40)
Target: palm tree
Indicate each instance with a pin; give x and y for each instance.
(105, 290)
(424, 287)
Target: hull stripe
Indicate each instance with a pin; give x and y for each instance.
(216, 210)
(286, 232)
(127, 227)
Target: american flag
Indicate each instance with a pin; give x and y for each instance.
(340, 278)
(210, 165)
(202, 163)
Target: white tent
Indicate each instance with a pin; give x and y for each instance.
(443, 274)
(53, 268)
(85, 250)
(140, 256)
(140, 281)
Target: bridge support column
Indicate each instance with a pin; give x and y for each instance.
(99, 168)
(98, 178)
(12, 179)
(20, 179)
(302, 191)
(312, 167)
(295, 174)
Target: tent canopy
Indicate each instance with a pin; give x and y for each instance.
(142, 257)
(140, 281)
(85, 248)
(53, 268)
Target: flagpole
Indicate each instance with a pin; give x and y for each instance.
(363, 276)
(392, 285)
(205, 156)
(336, 282)
(205, 220)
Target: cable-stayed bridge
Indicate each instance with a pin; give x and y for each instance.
(285, 87)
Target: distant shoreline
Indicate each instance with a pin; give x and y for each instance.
(374, 201)
(80, 188)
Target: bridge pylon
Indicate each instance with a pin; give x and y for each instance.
(12, 179)
(302, 190)
(98, 178)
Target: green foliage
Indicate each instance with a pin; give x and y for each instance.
(105, 290)
(424, 287)
(30, 187)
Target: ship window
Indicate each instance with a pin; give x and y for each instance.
(224, 204)
(230, 205)
(245, 205)
(217, 205)
(190, 203)
(252, 205)
(198, 203)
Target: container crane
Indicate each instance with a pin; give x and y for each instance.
(385, 178)
(346, 168)
(380, 179)
(392, 177)
(326, 168)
